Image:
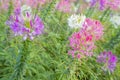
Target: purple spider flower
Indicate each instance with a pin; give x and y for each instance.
(25, 25)
(108, 59)
(101, 3)
(93, 2)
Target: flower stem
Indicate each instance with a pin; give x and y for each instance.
(90, 11)
(20, 67)
(106, 12)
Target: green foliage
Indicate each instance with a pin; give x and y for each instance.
(46, 57)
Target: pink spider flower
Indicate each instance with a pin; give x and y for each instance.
(103, 4)
(34, 3)
(113, 4)
(93, 27)
(4, 4)
(18, 3)
(64, 5)
(82, 43)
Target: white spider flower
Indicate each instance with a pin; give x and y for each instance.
(76, 21)
(115, 19)
(87, 1)
(26, 12)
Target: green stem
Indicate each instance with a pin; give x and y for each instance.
(20, 67)
(90, 11)
(105, 13)
(114, 40)
(48, 10)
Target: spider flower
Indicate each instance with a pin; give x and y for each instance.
(87, 1)
(76, 21)
(113, 4)
(115, 20)
(103, 4)
(82, 43)
(34, 3)
(93, 27)
(64, 6)
(4, 4)
(108, 59)
(24, 24)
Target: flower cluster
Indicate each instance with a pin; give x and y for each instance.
(113, 4)
(24, 24)
(17, 3)
(108, 59)
(76, 21)
(4, 4)
(64, 5)
(32, 3)
(87, 1)
(82, 43)
(93, 27)
(115, 20)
